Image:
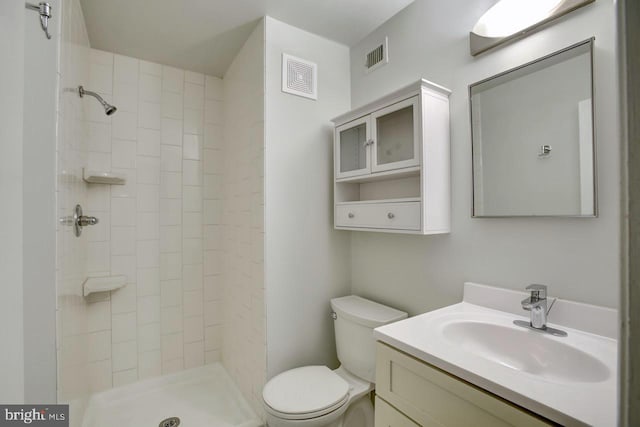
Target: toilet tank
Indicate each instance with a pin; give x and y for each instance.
(354, 321)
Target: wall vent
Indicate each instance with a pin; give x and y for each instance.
(377, 56)
(299, 77)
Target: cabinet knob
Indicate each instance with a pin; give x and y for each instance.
(390, 215)
(350, 215)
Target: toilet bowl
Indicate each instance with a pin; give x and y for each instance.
(316, 396)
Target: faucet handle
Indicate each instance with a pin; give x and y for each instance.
(537, 291)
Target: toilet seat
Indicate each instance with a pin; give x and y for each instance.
(305, 393)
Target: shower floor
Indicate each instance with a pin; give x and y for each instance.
(200, 397)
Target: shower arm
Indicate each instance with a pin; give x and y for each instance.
(44, 9)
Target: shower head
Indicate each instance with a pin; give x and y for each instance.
(108, 108)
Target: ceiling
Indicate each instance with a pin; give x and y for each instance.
(205, 35)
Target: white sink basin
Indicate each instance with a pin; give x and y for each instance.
(570, 380)
(525, 350)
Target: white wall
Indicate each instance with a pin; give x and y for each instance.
(40, 106)
(307, 262)
(577, 258)
(11, 110)
(242, 211)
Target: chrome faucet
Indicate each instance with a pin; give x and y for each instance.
(537, 305)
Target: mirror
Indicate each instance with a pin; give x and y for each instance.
(533, 138)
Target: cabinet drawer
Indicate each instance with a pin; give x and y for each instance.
(388, 416)
(434, 398)
(397, 216)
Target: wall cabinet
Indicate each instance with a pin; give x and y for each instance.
(391, 163)
(413, 392)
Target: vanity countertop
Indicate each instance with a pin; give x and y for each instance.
(570, 380)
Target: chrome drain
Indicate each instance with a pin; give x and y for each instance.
(170, 422)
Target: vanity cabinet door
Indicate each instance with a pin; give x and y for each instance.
(433, 397)
(396, 138)
(352, 141)
(388, 416)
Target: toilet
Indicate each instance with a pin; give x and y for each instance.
(316, 396)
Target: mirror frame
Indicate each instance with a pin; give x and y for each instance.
(590, 43)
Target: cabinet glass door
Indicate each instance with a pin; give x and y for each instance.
(352, 141)
(395, 134)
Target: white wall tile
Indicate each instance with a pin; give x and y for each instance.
(213, 263)
(171, 132)
(193, 96)
(125, 125)
(98, 316)
(124, 265)
(212, 212)
(197, 78)
(191, 146)
(213, 337)
(148, 198)
(192, 225)
(123, 211)
(213, 112)
(212, 356)
(124, 327)
(150, 88)
(148, 253)
(124, 356)
(192, 304)
(123, 154)
(99, 345)
(100, 375)
(148, 225)
(212, 237)
(148, 309)
(125, 96)
(171, 320)
(171, 159)
(192, 199)
(170, 238)
(172, 105)
(149, 115)
(214, 88)
(99, 161)
(172, 366)
(149, 364)
(213, 314)
(148, 171)
(213, 288)
(125, 377)
(149, 337)
(124, 300)
(152, 68)
(129, 188)
(172, 347)
(171, 266)
(98, 198)
(193, 121)
(101, 231)
(101, 57)
(123, 240)
(148, 281)
(191, 251)
(98, 254)
(192, 172)
(193, 328)
(99, 137)
(170, 293)
(192, 277)
(172, 79)
(213, 136)
(100, 78)
(125, 69)
(149, 142)
(171, 185)
(170, 211)
(194, 354)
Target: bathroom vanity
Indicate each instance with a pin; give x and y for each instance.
(391, 162)
(469, 364)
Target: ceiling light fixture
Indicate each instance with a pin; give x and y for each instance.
(509, 20)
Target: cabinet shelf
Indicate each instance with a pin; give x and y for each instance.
(364, 202)
(379, 176)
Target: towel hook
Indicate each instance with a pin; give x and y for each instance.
(44, 9)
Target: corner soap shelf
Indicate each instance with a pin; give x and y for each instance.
(101, 177)
(103, 284)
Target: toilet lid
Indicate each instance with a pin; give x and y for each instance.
(305, 390)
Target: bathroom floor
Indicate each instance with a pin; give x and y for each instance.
(204, 396)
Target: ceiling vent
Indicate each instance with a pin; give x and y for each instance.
(299, 77)
(378, 56)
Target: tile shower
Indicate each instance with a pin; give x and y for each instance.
(165, 229)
